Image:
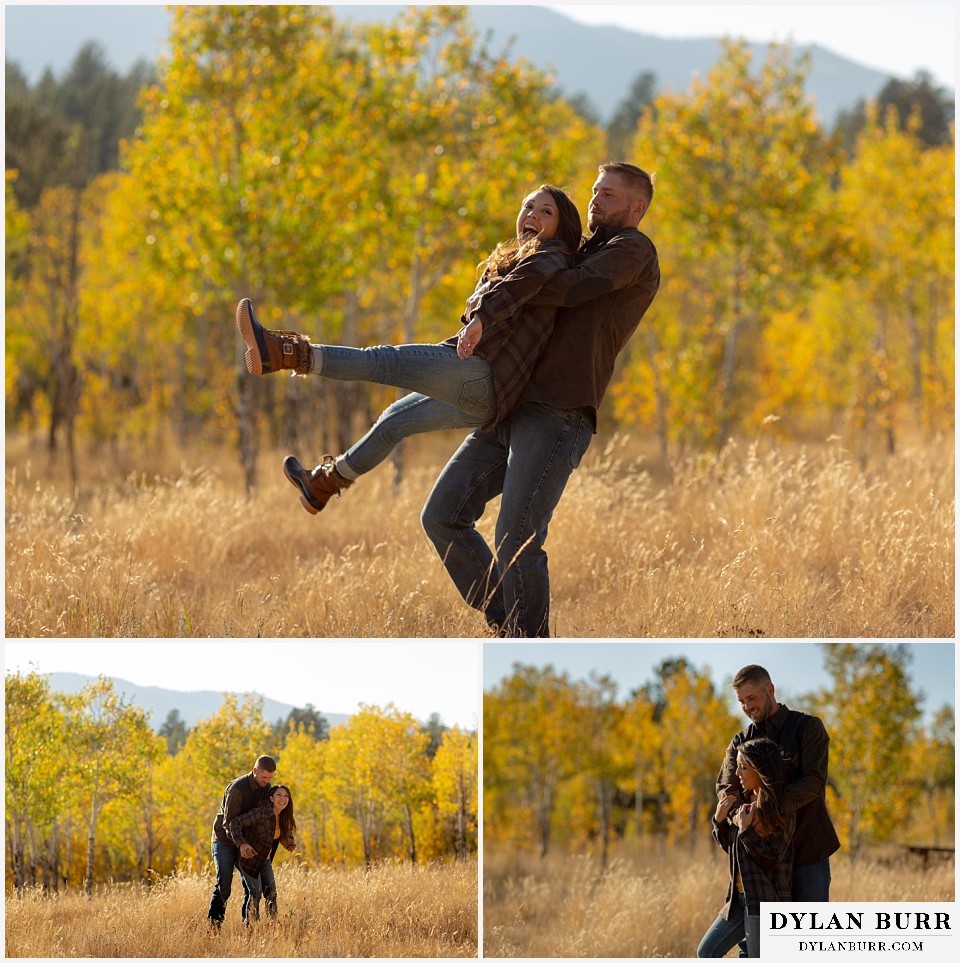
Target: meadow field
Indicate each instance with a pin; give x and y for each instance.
(390, 911)
(652, 904)
(758, 540)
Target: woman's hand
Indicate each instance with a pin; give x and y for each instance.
(247, 851)
(724, 806)
(744, 816)
(469, 338)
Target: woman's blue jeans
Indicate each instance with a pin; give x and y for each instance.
(528, 459)
(448, 392)
(724, 935)
(255, 887)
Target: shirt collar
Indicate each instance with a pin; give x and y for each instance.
(778, 719)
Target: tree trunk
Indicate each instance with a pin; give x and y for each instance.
(604, 793)
(543, 820)
(660, 394)
(17, 851)
(353, 417)
(246, 425)
(412, 847)
(460, 826)
(411, 311)
(88, 879)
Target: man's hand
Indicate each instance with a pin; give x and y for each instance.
(724, 806)
(247, 851)
(469, 337)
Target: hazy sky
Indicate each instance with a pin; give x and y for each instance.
(895, 37)
(795, 667)
(419, 677)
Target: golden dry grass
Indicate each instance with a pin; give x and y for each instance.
(392, 911)
(779, 542)
(649, 905)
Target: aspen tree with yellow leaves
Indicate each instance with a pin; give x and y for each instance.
(91, 794)
(742, 223)
(454, 774)
(872, 716)
(643, 768)
(111, 748)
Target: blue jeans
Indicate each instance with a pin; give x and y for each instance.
(225, 857)
(724, 935)
(811, 883)
(255, 887)
(449, 392)
(527, 458)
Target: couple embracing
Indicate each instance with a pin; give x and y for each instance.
(771, 816)
(526, 372)
(254, 819)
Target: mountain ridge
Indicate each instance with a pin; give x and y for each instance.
(602, 62)
(193, 705)
(599, 62)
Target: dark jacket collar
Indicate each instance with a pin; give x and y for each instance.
(777, 720)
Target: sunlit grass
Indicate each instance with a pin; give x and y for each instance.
(650, 904)
(391, 911)
(754, 541)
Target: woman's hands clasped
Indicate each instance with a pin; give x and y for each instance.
(742, 818)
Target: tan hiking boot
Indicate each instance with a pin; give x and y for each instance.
(316, 487)
(269, 351)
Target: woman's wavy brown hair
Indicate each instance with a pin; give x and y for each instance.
(765, 757)
(288, 825)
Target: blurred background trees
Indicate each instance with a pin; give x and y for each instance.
(350, 177)
(641, 767)
(92, 792)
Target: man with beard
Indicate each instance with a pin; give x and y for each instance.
(529, 456)
(804, 742)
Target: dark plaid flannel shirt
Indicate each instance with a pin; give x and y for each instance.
(515, 331)
(256, 827)
(765, 864)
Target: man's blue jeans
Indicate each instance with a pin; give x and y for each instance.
(724, 935)
(225, 857)
(811, 883)
(448, 392)
(528, 459)
(255, 887)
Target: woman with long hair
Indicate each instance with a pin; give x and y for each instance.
(263, 830)
(756, 832)
(473, 379)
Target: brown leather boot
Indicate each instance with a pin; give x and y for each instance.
(316, 487)
(269, 351)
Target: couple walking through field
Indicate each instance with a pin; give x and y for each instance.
(771, 816)
(253, 820)
(526, 373)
